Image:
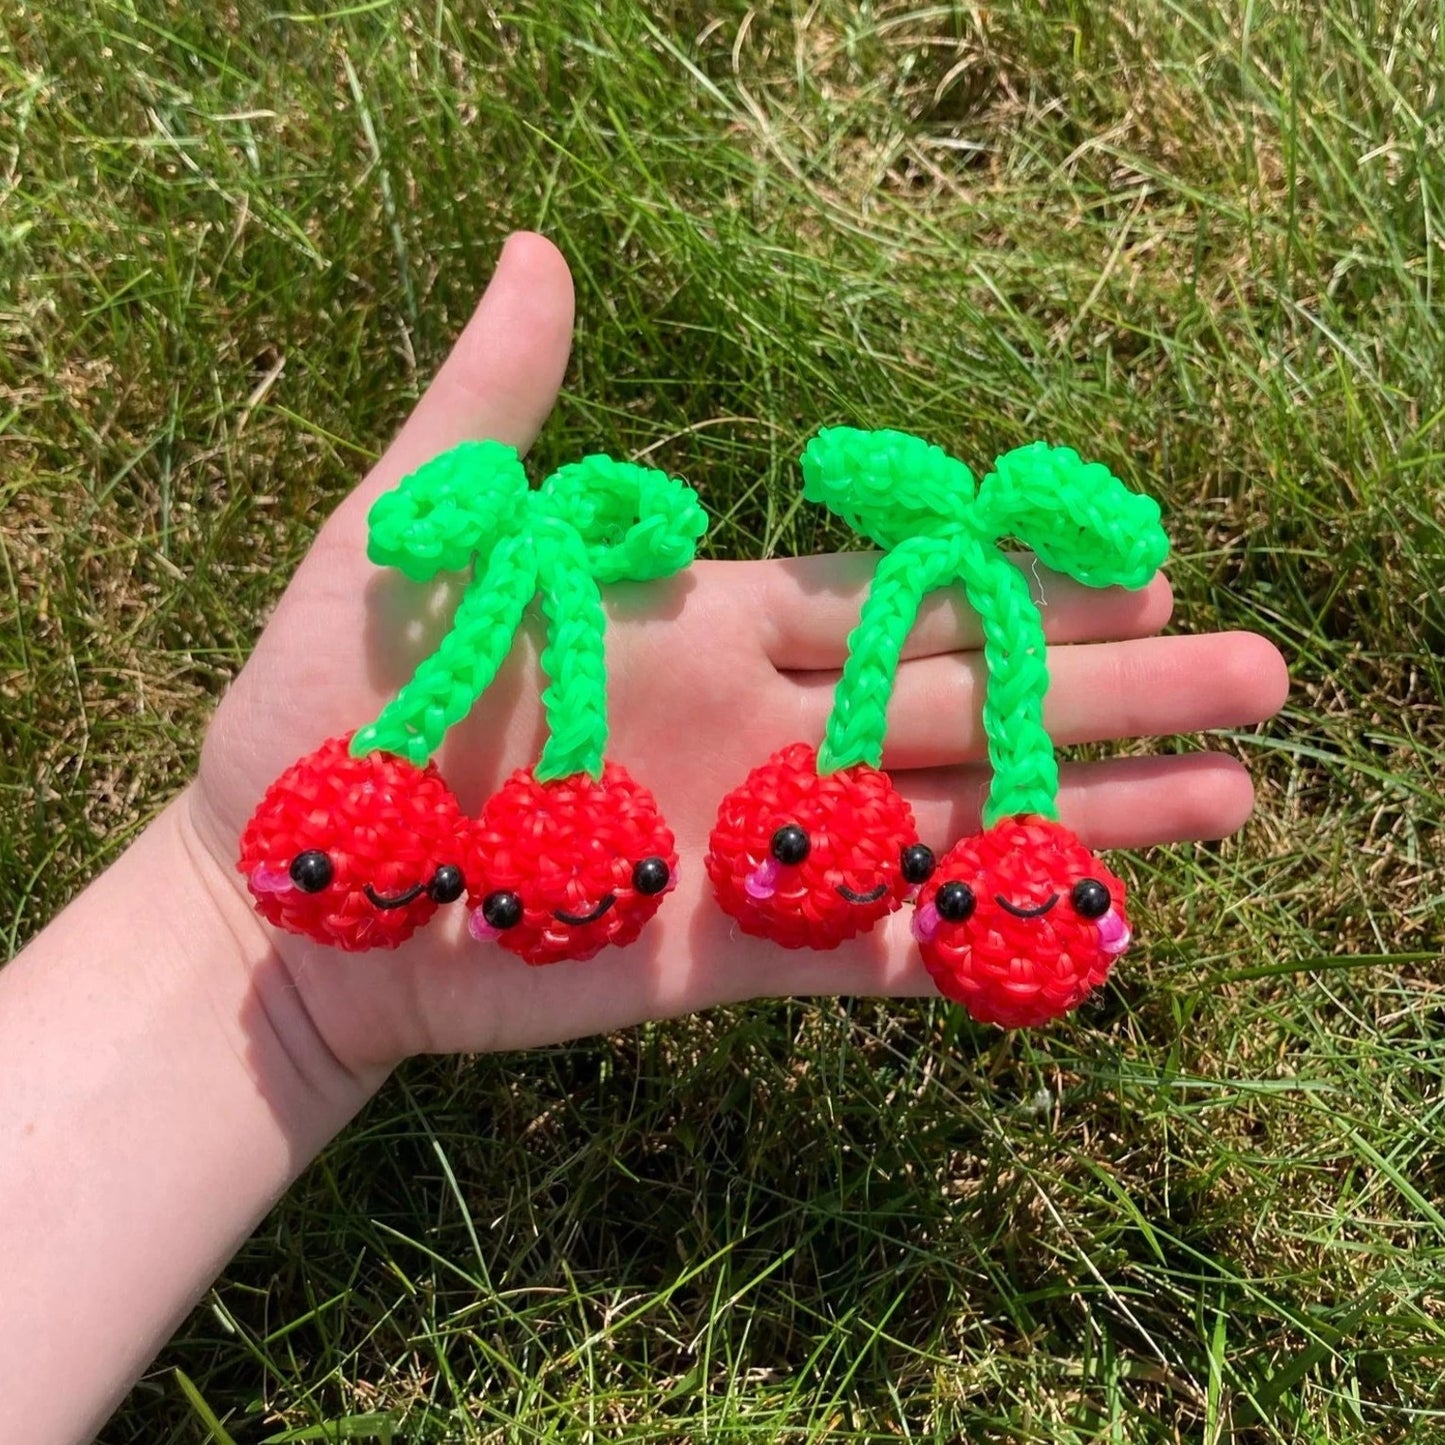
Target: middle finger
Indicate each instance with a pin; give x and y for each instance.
(1147, 687)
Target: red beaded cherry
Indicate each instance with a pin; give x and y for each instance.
(559, 870)
(1020, 923)
(354, 852)
(808, 860)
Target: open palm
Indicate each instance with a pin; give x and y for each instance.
(710, 672)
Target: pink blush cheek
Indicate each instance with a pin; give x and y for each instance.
(925, 923)
(1114, 934)
(762, 882)
(480, 929)
(270, 880)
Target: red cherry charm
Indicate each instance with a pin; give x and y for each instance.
(559, 870)
(808, 860)
(1020, 923)
(354, 852)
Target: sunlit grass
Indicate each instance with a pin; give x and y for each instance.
(1199, 243)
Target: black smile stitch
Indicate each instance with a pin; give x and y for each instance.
(578, 920)
(397, 900)
(1017, 912)
(871, 897)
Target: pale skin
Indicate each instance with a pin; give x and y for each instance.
(169, 1064)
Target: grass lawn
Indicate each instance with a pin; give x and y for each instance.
(1202, 243)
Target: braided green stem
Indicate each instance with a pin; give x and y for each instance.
(444, 687)
(594, 519)
(859, 717)
(574, 658)
(920, 505)
(1025, 771)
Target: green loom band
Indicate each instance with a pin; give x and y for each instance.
(1020, 751)
(598, 520)
(859, 716)
(637, 523)
(593, 520)
(1025, 772)
(574, 658)
(1076, 516)
(447, 684)
(450, 511)
(886, 485)
(911, 497)
(906, 495)
(1081, 520)
(465, 507)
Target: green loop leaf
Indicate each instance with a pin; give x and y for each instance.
(888, 485)
(636, 523)
(452, 509)
(1077, 516)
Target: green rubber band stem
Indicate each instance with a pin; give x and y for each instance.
(1020, 752)
(444, 687)
(859, 716)
(920, 506)
(593, 519)
(1025, 773)
(574, 657)
(598, 520)
(1081, 520)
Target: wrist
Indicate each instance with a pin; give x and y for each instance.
(241, 967)
(162, 1085)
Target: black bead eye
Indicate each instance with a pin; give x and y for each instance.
(1090, 898)
(918, 863)
(790, 844)
(311, 871)
(502, 910)
(651, 875)
(955, 902)
(447, 884)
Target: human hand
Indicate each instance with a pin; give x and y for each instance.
(710, 672)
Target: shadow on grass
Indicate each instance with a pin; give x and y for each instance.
(832, 1208)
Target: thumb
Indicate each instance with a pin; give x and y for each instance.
(503, 374)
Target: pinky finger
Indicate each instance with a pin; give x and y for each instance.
(1119, 803)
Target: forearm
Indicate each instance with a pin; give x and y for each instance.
(160, 1086)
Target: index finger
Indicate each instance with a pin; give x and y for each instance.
(809, 605)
